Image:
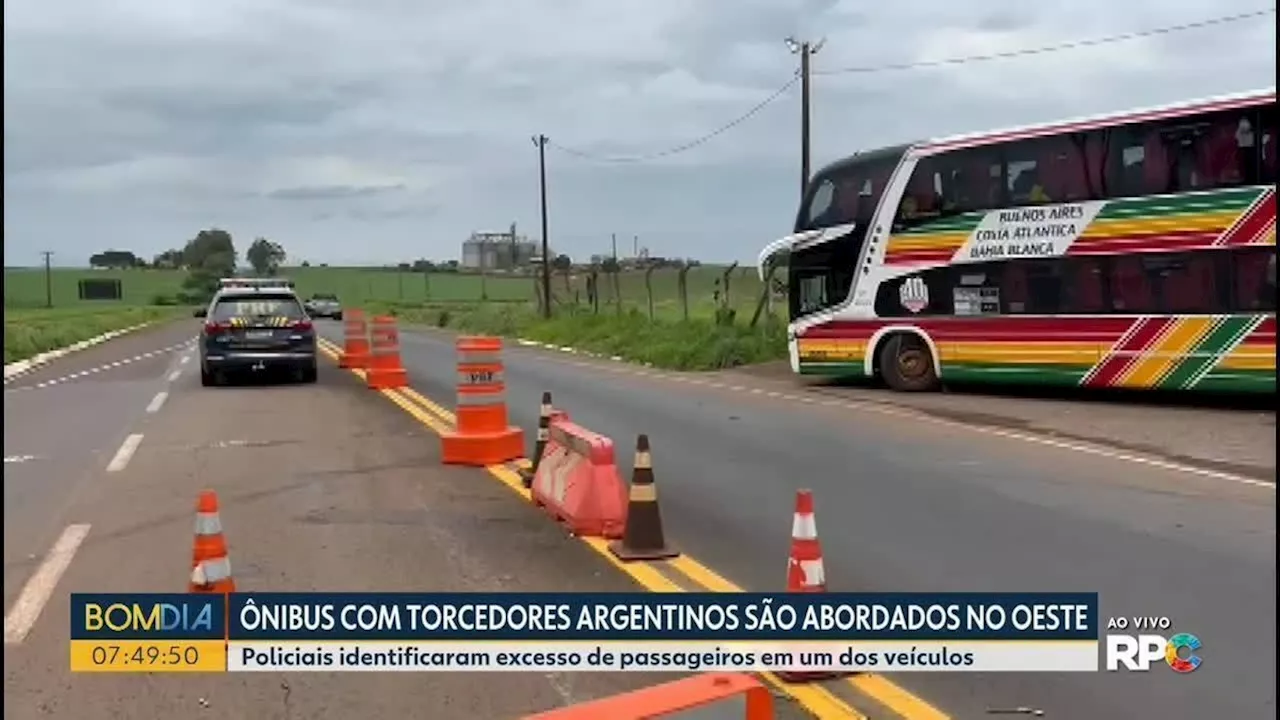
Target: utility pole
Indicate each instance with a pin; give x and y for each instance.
(540, 141)
(614, 239)
(805, 50)
(48, 278)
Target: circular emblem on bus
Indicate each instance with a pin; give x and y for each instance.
(914, 294)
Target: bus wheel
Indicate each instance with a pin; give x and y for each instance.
(906, 364)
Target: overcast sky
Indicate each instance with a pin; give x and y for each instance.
(373, 131)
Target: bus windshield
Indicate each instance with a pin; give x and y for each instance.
(821, 275)
(849, 191)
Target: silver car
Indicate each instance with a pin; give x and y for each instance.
(323, 305)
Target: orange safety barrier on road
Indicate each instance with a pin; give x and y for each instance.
(643, 538)
(673, 697)
(210, 566)
(355, 341)
(385, 370)
(577, 481)
(482, 435)
(806, 572)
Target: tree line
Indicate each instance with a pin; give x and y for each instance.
(207, 257)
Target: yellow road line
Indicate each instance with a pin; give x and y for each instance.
(816, 699)
(896, 698)
(428, 404)
(884, 691)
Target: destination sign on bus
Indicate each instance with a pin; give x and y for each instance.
(1043, 231)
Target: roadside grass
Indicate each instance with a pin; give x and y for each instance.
(29, 332)
(665, 342)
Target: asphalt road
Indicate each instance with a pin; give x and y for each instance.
(322, 487)
(912, 505)
(62, 425)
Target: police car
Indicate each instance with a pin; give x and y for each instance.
(250, 329)
(253, 282)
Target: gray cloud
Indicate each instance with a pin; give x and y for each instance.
(332, 192)
(407, 125)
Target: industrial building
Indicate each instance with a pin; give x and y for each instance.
(499, 251)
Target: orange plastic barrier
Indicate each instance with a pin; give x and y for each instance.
(643, 538)
(673, 697)
(806, 572)
(385, 370)
(482, 435)
(355, 341)
(577, 481)
(210, 566)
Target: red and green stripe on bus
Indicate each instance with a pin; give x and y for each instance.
(1227, 353)
(1222, 218)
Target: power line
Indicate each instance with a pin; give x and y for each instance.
(1073, 45)
(692, 143)
(896, 67)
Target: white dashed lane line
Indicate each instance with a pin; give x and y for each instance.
(19, 459)
(157, 402)
(95, 370)
(36, 593)
(125, 453)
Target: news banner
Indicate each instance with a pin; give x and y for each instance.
(616, 632)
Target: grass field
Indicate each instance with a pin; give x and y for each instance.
(497, 303)
(25, 288)
(30, 332)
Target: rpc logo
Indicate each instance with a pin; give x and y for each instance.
(1137, 653)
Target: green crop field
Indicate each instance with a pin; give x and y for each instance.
(148, 294)
(25, 288)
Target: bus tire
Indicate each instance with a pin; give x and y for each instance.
(906, 363)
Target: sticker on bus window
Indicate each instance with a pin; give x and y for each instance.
(914, 294)
(976, 300)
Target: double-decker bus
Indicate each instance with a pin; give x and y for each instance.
(1132, 250)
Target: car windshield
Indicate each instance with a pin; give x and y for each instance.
(258, 305)
(324, 298)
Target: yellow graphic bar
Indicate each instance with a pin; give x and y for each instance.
(149, 656)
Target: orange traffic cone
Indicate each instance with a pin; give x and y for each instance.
(642, 537)
(210, 566)
(355, 341)
(805, 573)
(540, 442)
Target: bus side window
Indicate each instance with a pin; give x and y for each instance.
(1047, 170)
(1084, 289)
(1136, 162)
(1267, 138)
(1033, 287)
(1187, 282)
(971, 180)
(1130, 289)
(922, 199)
(1254, 279)
(1013, 289)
